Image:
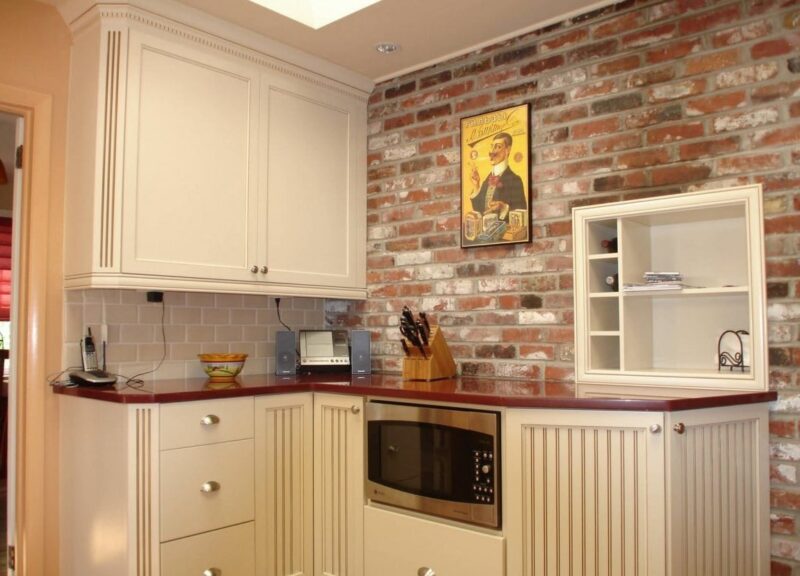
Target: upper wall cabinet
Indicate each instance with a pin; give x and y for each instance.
(196, 164)
(669, 295)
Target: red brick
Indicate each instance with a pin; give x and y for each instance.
(619, 25)
(381, 172)
(436, 208)
(710, 62)
(695, 150)
(537, 351)
(414, 196)
(783, 428)
(794, 109)
(571, 38)
(592, 166)
(676, 91)
(679, 174)
(419, 132)
(539, 66)
(782, 224)
(407, 289)
(521, 334)
(595, 128)
(641, 159)
(777, 137)
(747, 164)
(711, 19)
(653, 76)
(435, 145)
(475, 102)
(593, 90)
(565, 115)
(558, 380)
(380, 261)
(736, 36)
(782, 524)
(784, 499)
(476, 303)
(623, 141)
(498, 77)
(612, 67)
(778, 568)
(716, 103)
(783, 268)
(567, 152)
(398, 274)
(770, 48)
(675, 51)
(775, 92)
(649, 36)
(398, 122)
(516, 92)
(589, 51)
(415, 228)
(675, 132)
(377, 202)
(628, 181)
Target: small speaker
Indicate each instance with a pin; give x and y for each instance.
(285, 353)
(360, 360)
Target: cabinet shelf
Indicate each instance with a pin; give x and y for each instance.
(714, 240)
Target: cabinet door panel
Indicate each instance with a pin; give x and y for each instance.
(403, 545)
(284, 485)
(229, 551)
(190, 167)
(315, 185)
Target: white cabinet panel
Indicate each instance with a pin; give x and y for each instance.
(190, 163)
(206, 422)
(404, 545)
(226, 552)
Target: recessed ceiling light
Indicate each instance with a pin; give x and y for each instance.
(315, 13)
(387, 47)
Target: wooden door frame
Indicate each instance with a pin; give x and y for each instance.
(36, 477)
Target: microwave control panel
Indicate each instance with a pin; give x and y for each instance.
(483, 476)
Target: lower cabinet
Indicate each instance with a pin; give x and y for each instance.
(310, 485)
(217, 553)
(397, 544)
(677, 493)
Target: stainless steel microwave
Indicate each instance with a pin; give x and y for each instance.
(435, 460)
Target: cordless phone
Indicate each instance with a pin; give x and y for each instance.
(91, 375)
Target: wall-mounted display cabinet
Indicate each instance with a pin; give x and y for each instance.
(197, 164)
(663, 339)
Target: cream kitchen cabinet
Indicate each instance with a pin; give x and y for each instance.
(399, 544)
(659, 493)
(157, 489)
(197, 164)
(309, 478)
(646, 342)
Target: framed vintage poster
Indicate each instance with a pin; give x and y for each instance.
(495, 177)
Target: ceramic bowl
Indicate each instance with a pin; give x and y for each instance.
(222, 367)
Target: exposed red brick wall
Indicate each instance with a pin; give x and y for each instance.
(637, 99)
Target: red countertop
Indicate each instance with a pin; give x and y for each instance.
(484, 391)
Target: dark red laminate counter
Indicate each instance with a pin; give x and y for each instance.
(485, 391)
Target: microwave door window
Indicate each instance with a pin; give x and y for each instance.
(400, 458)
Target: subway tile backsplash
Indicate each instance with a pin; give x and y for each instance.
(194, 323)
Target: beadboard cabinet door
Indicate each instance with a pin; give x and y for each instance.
(190, 201)
(284, 485)
(338, 485)
(313, 189)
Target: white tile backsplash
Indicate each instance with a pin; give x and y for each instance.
(194, 323)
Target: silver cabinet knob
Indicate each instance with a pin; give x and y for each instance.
(212, 572)
(253, 269)
(355, 409)
(655, 428)
(264, 269)
(210, 486)
(680, 428)
(425, 571)
(209, 420)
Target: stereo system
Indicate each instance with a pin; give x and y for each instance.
(319, 351)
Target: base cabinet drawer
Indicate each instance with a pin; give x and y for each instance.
(226, 552)
(206, 487)
(398, 544)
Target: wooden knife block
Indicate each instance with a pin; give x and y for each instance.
(439, 363)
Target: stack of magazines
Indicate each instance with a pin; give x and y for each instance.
(657, 281)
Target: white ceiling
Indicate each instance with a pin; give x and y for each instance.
(428, 31)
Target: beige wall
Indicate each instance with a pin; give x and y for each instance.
(34, 57)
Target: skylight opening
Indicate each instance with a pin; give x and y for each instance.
(315, 13)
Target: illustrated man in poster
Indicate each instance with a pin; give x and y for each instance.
(502, 190)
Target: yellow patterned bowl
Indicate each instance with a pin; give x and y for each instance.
(222, 367)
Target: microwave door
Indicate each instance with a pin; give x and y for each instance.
(400, 456)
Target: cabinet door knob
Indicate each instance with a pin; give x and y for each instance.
(264, 269)
(355, 409)
(212, 572)
(209, 420)
(655, 428)
(253, 269)
(680, 428)
(210, 486)
(425, 571)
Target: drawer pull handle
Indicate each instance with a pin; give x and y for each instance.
(680, 428)
(355, 409)
(212, 572)
(655, 428)
(253, 269)
(209, 420)
(210, 486)
(425, 571)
